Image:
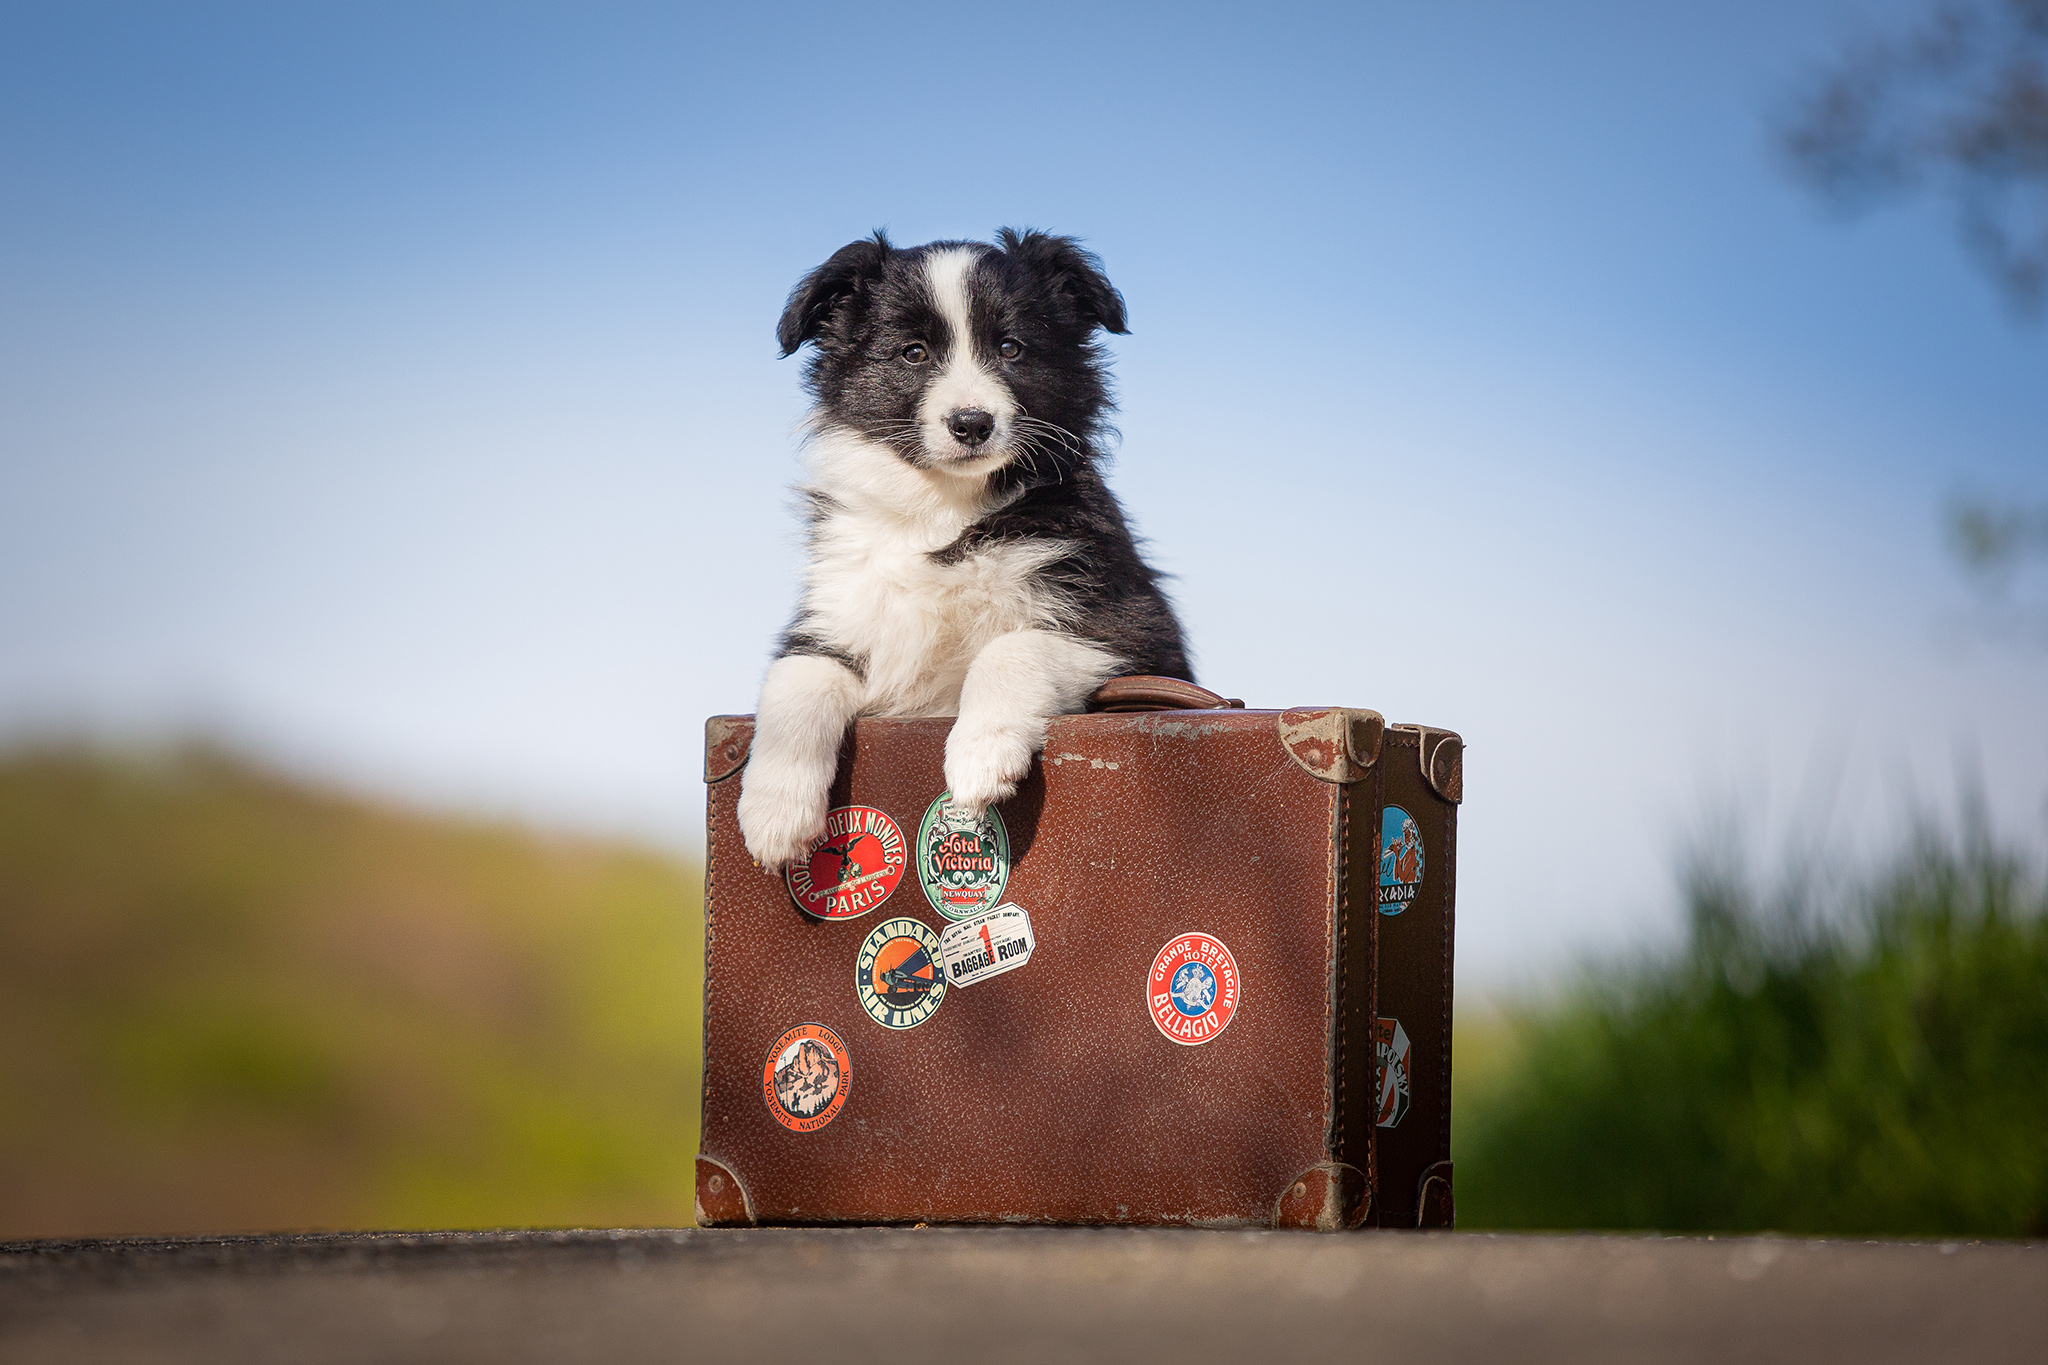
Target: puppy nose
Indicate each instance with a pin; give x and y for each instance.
(971, 425)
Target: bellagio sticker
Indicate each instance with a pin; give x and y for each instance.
(991, 943)
(807, 1078)
(1193, 990)
(853, 869)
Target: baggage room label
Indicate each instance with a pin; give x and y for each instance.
(988, 944)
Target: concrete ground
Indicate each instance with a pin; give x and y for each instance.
(902, 1295)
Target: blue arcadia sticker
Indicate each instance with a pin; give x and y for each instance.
(1400, 859)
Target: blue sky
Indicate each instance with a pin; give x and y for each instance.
(394, 388)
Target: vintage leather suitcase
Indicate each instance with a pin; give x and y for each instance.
(1156, 1004)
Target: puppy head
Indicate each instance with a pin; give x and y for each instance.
(960, 356)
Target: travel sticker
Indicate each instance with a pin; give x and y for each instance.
(1193, 990)
(1400, 859)
(1394, 1052)
(897, 976)
(853, 869)
(963, 859)
(989, 944)
(807, 1078)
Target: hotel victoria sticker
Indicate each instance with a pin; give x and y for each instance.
(897, 976)
(853, 869)
(963, 859)
(1193, 990)
(1400, 859)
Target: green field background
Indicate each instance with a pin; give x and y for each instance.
(229, 1001)
(232, 1001)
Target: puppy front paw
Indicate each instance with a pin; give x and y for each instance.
(780, 816)
(984, 764)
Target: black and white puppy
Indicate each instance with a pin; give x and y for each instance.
(965, 556)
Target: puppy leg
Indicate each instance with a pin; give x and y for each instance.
(1013, 687)
(806, 703)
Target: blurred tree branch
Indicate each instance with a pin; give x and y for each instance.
(1958, 106)
(1990, 540)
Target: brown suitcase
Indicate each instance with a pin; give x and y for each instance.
(1190, 1037)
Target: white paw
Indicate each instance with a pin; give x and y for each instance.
(781, 815)
(984, 764)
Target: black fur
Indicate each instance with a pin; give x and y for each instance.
(870, 300)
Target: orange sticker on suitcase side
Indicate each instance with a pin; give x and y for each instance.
(807, 1077)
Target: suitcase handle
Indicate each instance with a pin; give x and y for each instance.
(1143, 692)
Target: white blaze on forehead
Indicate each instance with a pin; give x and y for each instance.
(945, 274)
(964, 381)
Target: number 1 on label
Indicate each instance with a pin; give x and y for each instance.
(987, 945)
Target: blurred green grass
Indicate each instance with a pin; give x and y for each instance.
(233, 1001)
(1874, 1062)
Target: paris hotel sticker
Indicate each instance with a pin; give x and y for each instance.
(1400, 859)
(853, 868)
(963, 859)
(1193, 990)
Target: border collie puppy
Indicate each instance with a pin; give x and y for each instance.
(965, 556)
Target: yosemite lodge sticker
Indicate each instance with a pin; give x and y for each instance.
(1400, 859)
(963, 859)
(807, 1078)
(1394, 1053)
(1193, 991)
(853, 869)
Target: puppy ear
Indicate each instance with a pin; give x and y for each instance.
(1071, 272)
(818, 295)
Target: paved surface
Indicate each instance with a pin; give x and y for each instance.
(905, 1295)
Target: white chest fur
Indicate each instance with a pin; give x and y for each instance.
(873, 589)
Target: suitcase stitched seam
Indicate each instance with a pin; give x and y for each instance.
(1341, 1000)
(710, 932)
(1450, 880)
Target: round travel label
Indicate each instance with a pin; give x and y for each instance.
(807, 1078)
(1400, 859)
(963, 859)
(1193, 990)
(853, 869)
(897, 976)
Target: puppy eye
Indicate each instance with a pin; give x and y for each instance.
(915, 353)
(1010, 349)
